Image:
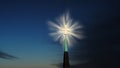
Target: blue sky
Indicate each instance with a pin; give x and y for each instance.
(24, 31)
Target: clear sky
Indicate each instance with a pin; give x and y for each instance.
(24, 31)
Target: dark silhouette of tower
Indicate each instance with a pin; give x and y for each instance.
(66, 60)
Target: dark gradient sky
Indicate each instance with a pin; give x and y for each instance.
(24, 32)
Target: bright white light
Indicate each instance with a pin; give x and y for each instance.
(65, 27)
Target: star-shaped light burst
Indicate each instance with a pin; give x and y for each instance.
(65, 30)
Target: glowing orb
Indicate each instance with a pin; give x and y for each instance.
(65, 28)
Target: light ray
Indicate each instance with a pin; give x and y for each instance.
(65, 27)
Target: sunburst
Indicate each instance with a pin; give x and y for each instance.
(65, 30)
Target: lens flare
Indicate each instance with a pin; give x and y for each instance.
(65, 28)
